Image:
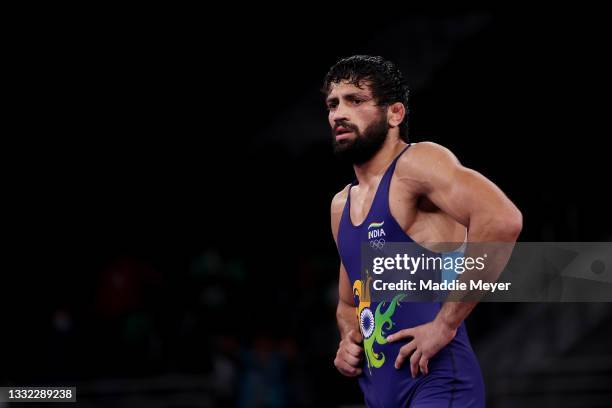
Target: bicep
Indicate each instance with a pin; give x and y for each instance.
(462, 193)
(457, 190)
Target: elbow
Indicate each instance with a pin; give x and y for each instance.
(508, 225)
(339, 311)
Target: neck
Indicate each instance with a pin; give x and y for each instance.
(369, 172)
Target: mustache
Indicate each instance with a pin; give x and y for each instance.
(345, 125)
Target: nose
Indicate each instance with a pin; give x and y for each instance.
(339, 114)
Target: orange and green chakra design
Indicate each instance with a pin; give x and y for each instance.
(374, 326)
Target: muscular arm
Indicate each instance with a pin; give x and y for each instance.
(466, 195)
(349, 353)
(469, 198)
(472, 200)
(346, 311)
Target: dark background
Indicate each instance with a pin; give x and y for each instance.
(167, 190)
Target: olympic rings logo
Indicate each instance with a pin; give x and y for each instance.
(377, 243)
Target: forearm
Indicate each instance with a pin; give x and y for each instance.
(503, 234)
(453, 313)
(347, 319)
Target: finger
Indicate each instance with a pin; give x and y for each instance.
(354, 350)
(404, 353)
(423, 364)
(355, 336)
(414, 363)
(400, 335)
(351, 360)
(346, 369)
(343, 356)
(355, 372)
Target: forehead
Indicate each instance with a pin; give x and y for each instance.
(344, 87)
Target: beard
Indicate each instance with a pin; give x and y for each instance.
(364, 145)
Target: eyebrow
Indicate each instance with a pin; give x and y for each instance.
(349, 96)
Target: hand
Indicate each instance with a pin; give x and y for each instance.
(349, 355)
(427, 340)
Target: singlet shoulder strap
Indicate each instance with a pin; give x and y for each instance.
(392, 167)
(383, 195)
(382, 192)
(388, 172)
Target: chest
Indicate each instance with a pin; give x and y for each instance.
(414, 213)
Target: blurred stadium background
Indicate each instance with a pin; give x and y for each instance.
(168, 201)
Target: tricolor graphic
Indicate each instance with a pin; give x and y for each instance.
(375, 225)
(374, 326)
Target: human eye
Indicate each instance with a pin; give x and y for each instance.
(356, 100)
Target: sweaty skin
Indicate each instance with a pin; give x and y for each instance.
(434, 199)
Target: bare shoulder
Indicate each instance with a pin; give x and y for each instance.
(424, 160)
(338, 202)
(337, 206)
(426, 153)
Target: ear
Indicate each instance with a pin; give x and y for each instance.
(396, 113)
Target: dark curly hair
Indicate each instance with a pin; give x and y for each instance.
(385, 80)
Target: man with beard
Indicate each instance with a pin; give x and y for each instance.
(415, 192)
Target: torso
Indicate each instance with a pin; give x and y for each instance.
(361, 218)
(418, 216)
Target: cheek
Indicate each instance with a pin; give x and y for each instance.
(372, 117)
(364, 120)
